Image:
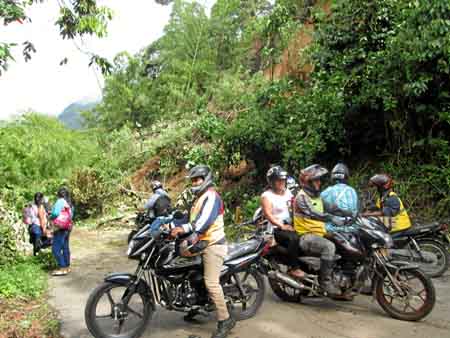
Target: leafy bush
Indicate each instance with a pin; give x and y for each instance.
(12, 236)
(38, 154)
(88, 191)
(25, 278)
(8, 249)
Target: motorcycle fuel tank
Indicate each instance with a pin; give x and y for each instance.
(347, 245)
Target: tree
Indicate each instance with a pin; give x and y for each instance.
(77, 19)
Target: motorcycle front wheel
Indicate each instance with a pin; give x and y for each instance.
(108, 316)
(245, 293)
(411, 298)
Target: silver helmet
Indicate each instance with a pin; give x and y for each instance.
(204, 172)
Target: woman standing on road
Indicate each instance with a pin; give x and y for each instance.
(62, 214)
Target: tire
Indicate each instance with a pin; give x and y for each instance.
(249, 312)
(418, 314)
(90, 314)
(281, 290)
(441, 251)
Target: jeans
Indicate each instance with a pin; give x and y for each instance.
(159, 221)
(316, 245)
(35, 232)
(60, 248)
(288, 240)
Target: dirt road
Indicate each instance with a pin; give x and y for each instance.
(96, 254)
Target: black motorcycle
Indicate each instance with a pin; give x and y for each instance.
(142, 219)
(425, 245)
(122, 306)
(401, 289)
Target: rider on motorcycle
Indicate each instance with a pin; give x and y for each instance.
(340, 199)
(275, 203)
(159, 203)
(208, 239)
(389, 205)
(309, 222)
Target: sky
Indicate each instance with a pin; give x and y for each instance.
(43, 85)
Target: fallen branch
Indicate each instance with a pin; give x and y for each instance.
(125, 217)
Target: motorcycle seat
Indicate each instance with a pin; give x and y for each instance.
(236, 250)
(416, 230)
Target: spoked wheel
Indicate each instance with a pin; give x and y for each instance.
(435, 258)
(413, 300)
(285, 292)
(107, 316)
(245, 292)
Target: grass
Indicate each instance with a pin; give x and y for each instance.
(25, 279)
(24, 311)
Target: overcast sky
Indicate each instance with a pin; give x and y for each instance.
(44, 86)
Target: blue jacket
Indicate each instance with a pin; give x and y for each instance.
(340, 200)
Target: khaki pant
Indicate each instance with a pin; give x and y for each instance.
(213, 257)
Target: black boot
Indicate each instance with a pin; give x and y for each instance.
(37, 246)
(224, 327)
(326, 281)
(190, 316)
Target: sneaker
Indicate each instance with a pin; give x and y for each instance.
(224, 327)
(59, 272)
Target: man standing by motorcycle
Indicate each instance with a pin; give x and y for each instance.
(207, 239)
(309, 223)
(389, 205)
(340, 199)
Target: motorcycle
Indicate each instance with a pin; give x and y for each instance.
(142, 219)
(401, 289)
(124, 303)
(426, 246)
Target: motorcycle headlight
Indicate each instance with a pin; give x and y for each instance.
(388, 242)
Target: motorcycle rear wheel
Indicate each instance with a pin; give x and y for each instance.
(442, 255)
(415, 285)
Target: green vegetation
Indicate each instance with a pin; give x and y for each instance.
(241, 88)
(372, 88)
(25, 278)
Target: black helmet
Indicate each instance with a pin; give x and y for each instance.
(310, 174)
(204, 172)
(156, 185)
(276, 173)
(340, 173)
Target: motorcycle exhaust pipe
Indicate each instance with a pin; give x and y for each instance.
(286, 279)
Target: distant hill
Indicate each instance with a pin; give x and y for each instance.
(71, 116)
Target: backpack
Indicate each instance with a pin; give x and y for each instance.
(64, 219)
(27, 214)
